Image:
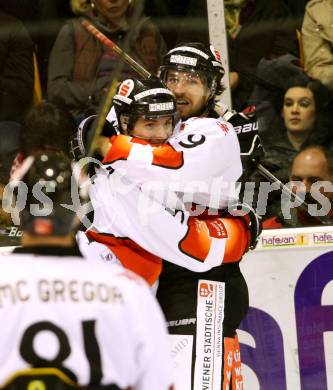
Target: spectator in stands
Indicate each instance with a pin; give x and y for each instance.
(297, 7)
(80, 67)
(256, 29)
(16, 69)
(317, 38)
(311, 166)
(303, 116)
(43, 20)
(298, 112)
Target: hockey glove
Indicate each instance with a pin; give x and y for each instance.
(251, 220)
(81, 140)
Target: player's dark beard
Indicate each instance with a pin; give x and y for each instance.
(206, 111)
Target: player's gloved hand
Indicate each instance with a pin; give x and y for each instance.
(246, 127)
(81, 140)
(250, 218)
(222, 110)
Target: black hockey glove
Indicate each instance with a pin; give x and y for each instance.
(246, 126)
(81, 140)
(249, 217)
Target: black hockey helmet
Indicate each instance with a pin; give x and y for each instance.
(199, 58)
(143, 98)
(50, 183)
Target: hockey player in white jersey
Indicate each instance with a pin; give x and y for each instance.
(68, 323)
(145, 110)
(203, 149)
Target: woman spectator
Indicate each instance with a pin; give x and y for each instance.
(80, 67)
(303, 116)
(295, 112)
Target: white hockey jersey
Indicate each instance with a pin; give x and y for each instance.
(125, 209)
(100, 324)
(123, 214)
(200, 163)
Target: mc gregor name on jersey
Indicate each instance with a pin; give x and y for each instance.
(56, 290)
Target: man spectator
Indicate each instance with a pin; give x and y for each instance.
(311, 177)
(317, 38)
(16, 69)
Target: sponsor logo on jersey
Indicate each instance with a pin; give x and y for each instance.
(206, 290)
(209, 337)
(178, 59)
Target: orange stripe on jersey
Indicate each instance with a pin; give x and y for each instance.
(164, 156)
(238, 240)
(131, 255)
(167, 157)
(197, 241)
(232, 375)
(119, 150)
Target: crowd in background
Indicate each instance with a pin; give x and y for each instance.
(280, 56)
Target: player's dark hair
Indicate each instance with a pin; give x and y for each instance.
(47, 127)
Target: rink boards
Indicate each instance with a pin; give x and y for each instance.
(287, 336)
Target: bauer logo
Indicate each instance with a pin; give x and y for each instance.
(206, 290)
(246, 128)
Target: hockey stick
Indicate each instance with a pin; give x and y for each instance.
(107, 103)
(115, 48)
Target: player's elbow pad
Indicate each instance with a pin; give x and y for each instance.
(238, 240)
